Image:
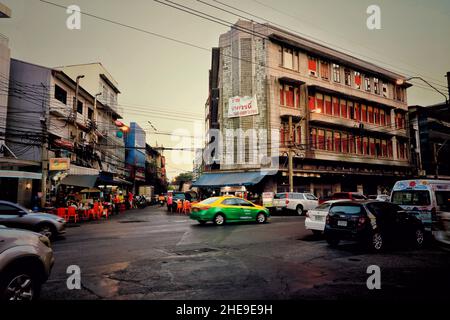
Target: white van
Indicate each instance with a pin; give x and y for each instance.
(424, 196)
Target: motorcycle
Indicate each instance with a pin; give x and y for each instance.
(141, 202)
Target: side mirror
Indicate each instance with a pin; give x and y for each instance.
(21, 213)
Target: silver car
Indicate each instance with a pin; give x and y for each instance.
(26, 260)
(15, 216)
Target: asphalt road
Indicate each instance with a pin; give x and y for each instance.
(150, 254)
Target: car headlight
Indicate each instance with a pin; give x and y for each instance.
(45, 241)
(61, 220)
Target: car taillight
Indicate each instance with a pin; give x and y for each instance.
(307, 214)
(361, 221)
(287, 201)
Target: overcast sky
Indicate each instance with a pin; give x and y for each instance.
(173, 78)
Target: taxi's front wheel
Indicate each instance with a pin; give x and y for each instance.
(261, 218)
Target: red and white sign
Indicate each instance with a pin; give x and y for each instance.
(242, 106)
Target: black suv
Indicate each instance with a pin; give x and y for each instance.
(374, 223)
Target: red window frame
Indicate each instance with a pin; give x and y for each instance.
(343, 109)
(290, 96)
(370, 114)
(320, 104)
(345, 142)
(351, 143)
(320, 139)
(365, 145)
(312, 64)
(364, 113)
(376, 114)
(388, 120)
(390, 149)
(357, 111)
(383, 148)
(358, 145)
(382, 117)
(312, 102)
(337, 142)
(373, 148)
(336, 110)
(329, 138)
(314, 138)
(328, 108)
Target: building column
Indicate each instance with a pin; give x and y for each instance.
(394, 148)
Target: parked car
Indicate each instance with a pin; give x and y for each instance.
(315, 218)
(374, 223)
(15, 216)
(300, 203)
(178, 195)
(379, 197)
(349, 196)
(26, 260)
(221, 210)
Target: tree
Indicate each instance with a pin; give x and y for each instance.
(183, 178)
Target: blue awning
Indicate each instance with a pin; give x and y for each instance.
(230, 179)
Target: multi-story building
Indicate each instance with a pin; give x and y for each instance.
(100, 84)
(52, 116)
(343, 119)
(155, 171)
(5, 57)
(430, 140)
(135, 155)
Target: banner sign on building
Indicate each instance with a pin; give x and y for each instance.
(242, 106)
(59, 164)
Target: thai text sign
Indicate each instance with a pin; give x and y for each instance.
(242, 106)
(59, 164)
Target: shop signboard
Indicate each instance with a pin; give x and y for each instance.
(59, 164)
(242, 106)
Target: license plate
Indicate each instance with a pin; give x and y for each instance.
(318, 218)
(342, 223)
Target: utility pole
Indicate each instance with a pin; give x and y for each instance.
(75, 105)
(291, 157)
(44, 148)
(448, 83)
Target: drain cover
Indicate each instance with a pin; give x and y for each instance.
(132, 221)
(194, 251)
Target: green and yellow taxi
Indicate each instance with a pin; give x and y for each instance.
(221, 210)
